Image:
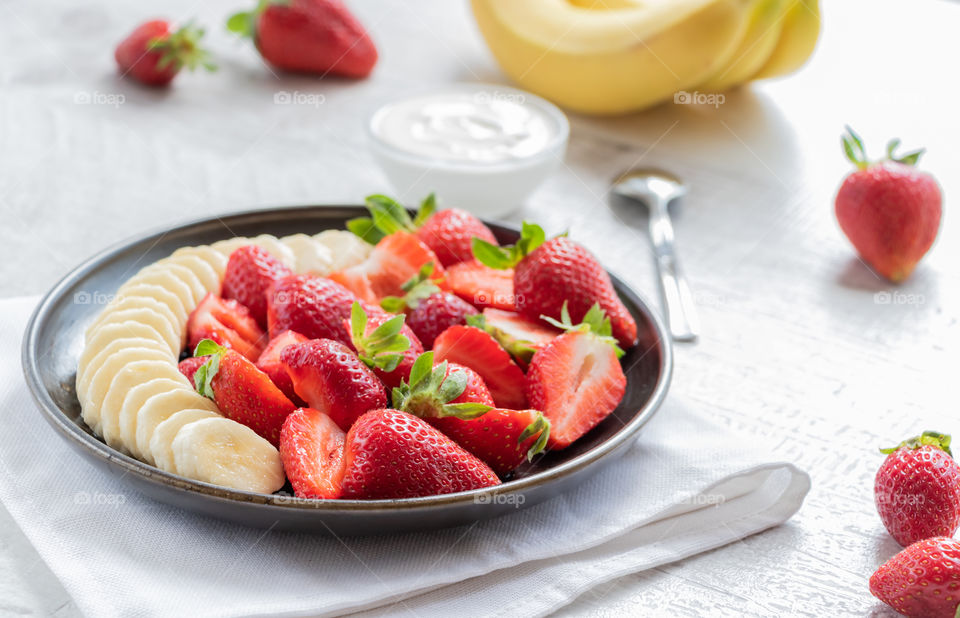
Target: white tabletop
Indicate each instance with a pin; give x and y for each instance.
(798, 349)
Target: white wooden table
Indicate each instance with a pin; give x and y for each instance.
(803, 348)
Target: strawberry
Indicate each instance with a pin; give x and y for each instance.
(308, 36)
(430, 311)
(389, 454)
(471, 347)
(481, 285)
(228, 323)
(311, 449)
(917, 489)
(519, 335)
(889, 210)
(393, 261)
(449, 233)
(454, 399)
(577, 380)
(241, 391)
(383, 342)
(249, 274)
(153, 55)
(549, 273)
(270, 363)
(313, 306)
(923, 580)
(188, 366)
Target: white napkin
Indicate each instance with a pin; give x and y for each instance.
(687, 486)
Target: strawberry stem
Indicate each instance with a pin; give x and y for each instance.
(387, 216)
(384, 347)
(927, 438)
(502, 258)
(182, 49)
(595, 321)
(430, 390)
(854, 149)
(418, 288)
(203, 378)
(542, 426)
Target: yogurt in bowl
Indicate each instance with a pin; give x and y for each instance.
(480, 147)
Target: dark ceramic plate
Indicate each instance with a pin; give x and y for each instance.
(54, 340)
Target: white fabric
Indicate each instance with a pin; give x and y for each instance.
(687, 486)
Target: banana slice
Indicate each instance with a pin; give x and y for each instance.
(223, 452)
(134, 400)
(276, 248)
(161, 407)
(161, 444)
(96, 388)
(197, 289)
(199, 267)
(145, 315)
(160, 294)
(309, 255)
(122, 303)
(346, 249)
(229, 245)
(85, 371)
(103, 337)
(128, 378)
(164, 279)
(208, 254)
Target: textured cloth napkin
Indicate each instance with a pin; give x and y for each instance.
(685, 487)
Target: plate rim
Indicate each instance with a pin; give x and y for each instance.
(166, 480)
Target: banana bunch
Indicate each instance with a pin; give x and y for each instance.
(619, 56)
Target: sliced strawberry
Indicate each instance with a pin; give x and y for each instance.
(228, 323)
(313, 306)
(481, 285)
(188, 366)
(384, 342)
(330, 377)
(311, 448)
(519, 335)
(393, 261)
(576, 380)
(250, 272)
(270, 363)
(241, 391)
(476, 349)
(389, 454)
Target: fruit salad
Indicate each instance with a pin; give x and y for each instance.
(406, 357)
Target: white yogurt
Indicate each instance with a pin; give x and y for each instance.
(483, 148)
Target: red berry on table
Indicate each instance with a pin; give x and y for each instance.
(389, 454)
(250, 272)
(917, 489)
(576, 380)
(888, 209)
(384, 342)
(270, 363)
(551, 273)
(394, 261)
(313, 306)
(153, 55)
(330, 378)
(241, 391)
(471, 347)
(311, 449)
(228, 323)
(308, 36)
(923, 580)
(430, 311)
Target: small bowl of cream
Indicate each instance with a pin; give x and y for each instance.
(480, 147)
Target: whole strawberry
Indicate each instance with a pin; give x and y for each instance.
(923, 580)
(917, 489)
(153, 55)
(313, 306)
(308, 36)
(888, 209)
(250, 272)
(551, 273)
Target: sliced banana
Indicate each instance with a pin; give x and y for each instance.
(85, 371)
(197, 289)
(122, 303)
(104, 336)
(309, 255)
(134, 400)
(166, 279)
(160, 294)
(128, 378)
(229, 245)
(223, 452)
(346, 249)
(275, 248)
(161, 444)
(99, 382)
(145, 315)
(201, 268)
(208, 254)
(161, 407)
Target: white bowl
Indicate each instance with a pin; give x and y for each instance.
(487, 188)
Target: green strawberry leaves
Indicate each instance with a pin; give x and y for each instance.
(418, 288)
(927, 438)
(384, 347)
(244, 23)
(182, 49)
(854, 149)
(429, 391)
(502, 258)
(387, 216)
(595, 321)
(203, 378)
(518, 348)
(542, 426)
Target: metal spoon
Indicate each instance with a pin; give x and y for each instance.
(656, 189)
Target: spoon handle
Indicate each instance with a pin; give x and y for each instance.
(680, 309)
